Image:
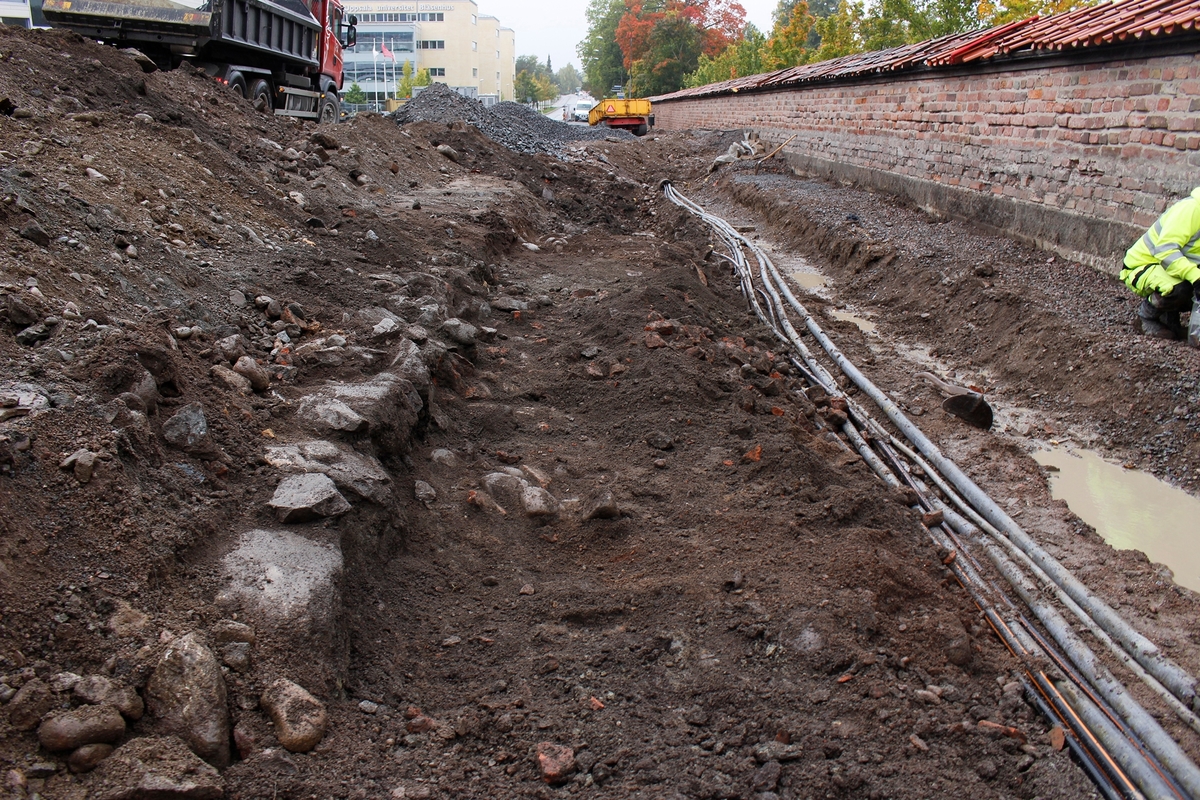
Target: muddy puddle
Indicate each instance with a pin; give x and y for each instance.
(865, 325)
(1130, 509)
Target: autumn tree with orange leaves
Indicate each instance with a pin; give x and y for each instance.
(662, 40)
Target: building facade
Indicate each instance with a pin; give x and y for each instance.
(469, 52)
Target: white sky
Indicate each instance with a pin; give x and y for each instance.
(554, 27)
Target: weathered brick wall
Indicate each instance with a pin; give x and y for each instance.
(1078, 158)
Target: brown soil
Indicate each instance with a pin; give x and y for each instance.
(758, 619)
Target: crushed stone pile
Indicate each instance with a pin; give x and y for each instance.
(513, 125)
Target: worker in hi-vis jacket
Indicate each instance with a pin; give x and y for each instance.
(1163, 268)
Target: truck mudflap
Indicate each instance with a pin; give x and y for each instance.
(161, 21)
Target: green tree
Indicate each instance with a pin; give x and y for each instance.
(422, 78)
(355, 94)
(599, 52)
(790, 40)
(568, 80)
(404, 90)
(674, 48)
(736, 61)
(841, 31)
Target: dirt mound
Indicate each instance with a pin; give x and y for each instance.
(515, 126)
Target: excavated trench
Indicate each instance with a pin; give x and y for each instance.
(511, 493)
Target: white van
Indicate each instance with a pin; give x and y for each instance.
(580, 114)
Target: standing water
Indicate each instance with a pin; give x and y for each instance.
(1130, 509)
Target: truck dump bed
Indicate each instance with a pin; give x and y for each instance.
(613, 111)
(284, 29)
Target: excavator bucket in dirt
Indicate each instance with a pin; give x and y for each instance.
(971, 408)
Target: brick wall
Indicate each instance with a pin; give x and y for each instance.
(1078, 158)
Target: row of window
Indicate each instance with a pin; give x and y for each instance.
(424, 16)
(368, 71)
(431, 44)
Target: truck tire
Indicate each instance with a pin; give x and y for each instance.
(330, 110)
(237, 82)
(641, 130)
(260, 89)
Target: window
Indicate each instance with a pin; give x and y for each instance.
(497, 77)
(497, 54)
(437, 72)
(431, 44)
(474, 20)
(474, 72)
(474, 46)
(429, 17)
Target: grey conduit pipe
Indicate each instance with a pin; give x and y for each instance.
(1167, 750)
(1168, 673)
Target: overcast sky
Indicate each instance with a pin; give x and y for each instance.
(554, 27)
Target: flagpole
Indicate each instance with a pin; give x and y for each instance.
(375, 72)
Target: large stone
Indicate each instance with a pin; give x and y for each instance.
(97, 690)
(85, 725)
(556, 762)
(224, 376)
(409, 364)
(282, 574)
(350, 470)
(34, 233)
(231, 348)
(88, 757)
(537, 502)
(188, 431)
(298, 717)
(186, 698)
(31, 702)
(386, 407)
(300, 498)
(251, 370)
(155, 768)
(505, 489)
(462, 333)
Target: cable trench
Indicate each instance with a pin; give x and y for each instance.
(1119, 744)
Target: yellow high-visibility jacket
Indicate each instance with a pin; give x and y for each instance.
(1168, 253)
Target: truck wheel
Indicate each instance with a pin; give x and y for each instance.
(238, 83)
(260, 90)
(640, 130)
(330, 110)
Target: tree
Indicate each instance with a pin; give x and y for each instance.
(736, 61)
(355, 94)
(404, 90)
(599, 52)
(789, 42)
(568, 79)
(661, 41)
(422, 78)
(841, 31)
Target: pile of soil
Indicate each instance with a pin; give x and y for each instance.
(595, 537)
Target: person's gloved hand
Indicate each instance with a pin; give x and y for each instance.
(1178, 299)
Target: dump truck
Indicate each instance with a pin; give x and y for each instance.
(283, 55)
(633, 115)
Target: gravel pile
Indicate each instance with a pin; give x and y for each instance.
(513, 125)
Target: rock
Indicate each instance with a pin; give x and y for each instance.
(556, 762)
(283, 575)
(34, 233)
(777, 751)
(424, 492)
(98, 690)
(188, 431)
(367, 707)
(226, 630)
(386, 407)
(505, 489)
(766, 777)
(155, 768)
(31, 702)
(538, 502)
(231, 348)
(186, 698)
(410, 365)
(33, 334)
(443, 457)
(449, 152)
(510, 304)
(300, 498)
(41, 769)
(252, 371)
(226, 378)
(660, 440)
(603, 506)
(298, 717)
(21, 314)
(96, 175)
(350, 470)
(460, 332)
(82, 462)
(85, 725)
(88, 757)
(236, 656)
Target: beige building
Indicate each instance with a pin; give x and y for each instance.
(470, 52)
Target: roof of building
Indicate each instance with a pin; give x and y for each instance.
(1108, 23)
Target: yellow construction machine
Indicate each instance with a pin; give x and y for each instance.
(633, 115)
